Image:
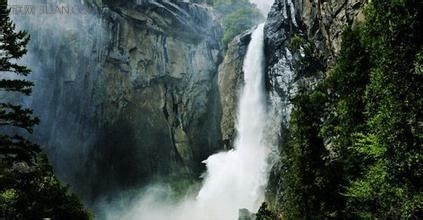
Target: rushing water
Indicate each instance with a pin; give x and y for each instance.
(235, 179)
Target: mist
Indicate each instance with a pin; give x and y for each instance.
(263, 5)
(65, 49)
(235, 179)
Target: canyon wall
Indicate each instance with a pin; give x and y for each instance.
(126, 95)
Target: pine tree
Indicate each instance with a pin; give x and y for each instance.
(28, 187)
(14, 147)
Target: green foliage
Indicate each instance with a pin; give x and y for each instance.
(368, 146)
(33, 192)
(418, 64)
(355, 145)
(394, 109)
(265, 214)
(28, 187)
(299, 42)
(238, 16)
(296, 42)
(12, 48)
(226, 7)
(13, 44)
(237, 22)
(309, 174)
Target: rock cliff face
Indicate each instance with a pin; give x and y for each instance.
(320, 24)
(128, 94)
(230, 81)
(302, 39)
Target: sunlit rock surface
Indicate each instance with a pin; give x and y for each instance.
(230, 83)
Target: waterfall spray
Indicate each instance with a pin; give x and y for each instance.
(235, 179)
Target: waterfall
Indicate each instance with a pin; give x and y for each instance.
(235, 179)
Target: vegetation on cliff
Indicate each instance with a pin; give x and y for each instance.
(28, 187)
(355, 142)
(237, 17)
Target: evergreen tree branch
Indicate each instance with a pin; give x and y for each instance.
(15, 115)
(22, 86)
(17, 148)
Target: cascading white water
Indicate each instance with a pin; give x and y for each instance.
(235, 179)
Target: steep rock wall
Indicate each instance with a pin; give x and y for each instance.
(302, 39)
(128, 94)
(320, 23)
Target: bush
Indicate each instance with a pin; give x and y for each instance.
(237, 17)
(237, 22)
(33, 192)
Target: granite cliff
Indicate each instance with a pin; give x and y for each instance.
(127, 95)
(318, 25)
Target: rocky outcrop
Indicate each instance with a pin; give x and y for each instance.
(126, 95)
(245, 214)
(302, 39)
(324, 21)
(316, 27)
(230, 81)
